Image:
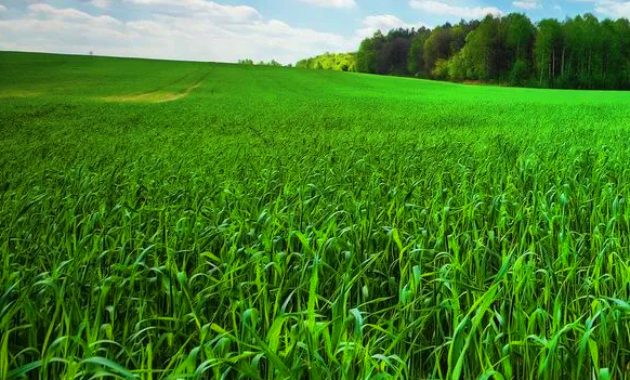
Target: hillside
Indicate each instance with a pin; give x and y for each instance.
(173, 220)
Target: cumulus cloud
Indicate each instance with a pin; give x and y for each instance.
(103, 4)
(331, 3)
(223, 13)
(383, 23)
(443, 9)
(173, 29)
(2, 8)
(613, 9)
(610, 8)
(528, 5)
(70, 15)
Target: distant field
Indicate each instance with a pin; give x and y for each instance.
(172, 220)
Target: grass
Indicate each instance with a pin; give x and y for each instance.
(274, 223)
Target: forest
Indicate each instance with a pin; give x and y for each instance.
(577, 53)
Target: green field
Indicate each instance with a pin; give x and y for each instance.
(170, 220)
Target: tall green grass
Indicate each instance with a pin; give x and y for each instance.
(289, 224)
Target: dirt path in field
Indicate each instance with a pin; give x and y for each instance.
(157, 96)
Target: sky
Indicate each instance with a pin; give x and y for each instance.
(229, 30)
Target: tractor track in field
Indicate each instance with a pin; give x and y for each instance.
(158, 95)
(7, 94)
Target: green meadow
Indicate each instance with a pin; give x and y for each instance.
(174, 220)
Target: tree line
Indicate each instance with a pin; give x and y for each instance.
(330, 61)
(577, 53)
(250, 62)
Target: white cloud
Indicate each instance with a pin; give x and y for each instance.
(172, 29)
(224, 13)
(442, 9)
(69, 14)
(384, 23)
(528, 5)
(2, 8)
(610, 8)
(613, 9)
(331, 3)
(103, 4)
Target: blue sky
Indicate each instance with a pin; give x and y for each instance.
(228, 30)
